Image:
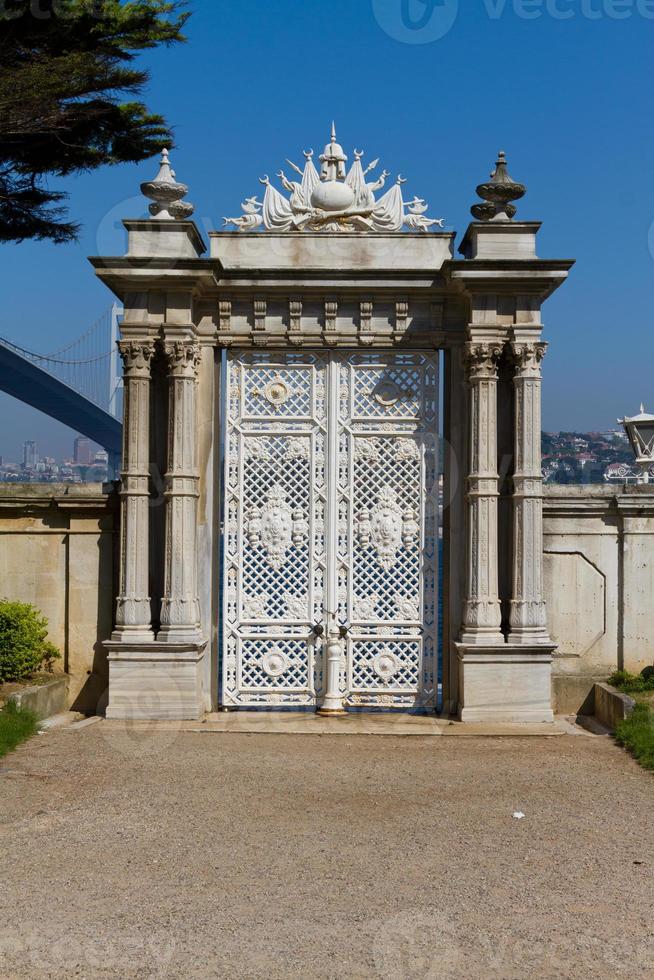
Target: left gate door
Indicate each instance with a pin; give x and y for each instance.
(274, 564)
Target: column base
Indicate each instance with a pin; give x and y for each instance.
(483, 637)
(132, 634)
(508, 684)
(155, 681)
(179, 634)
(529, 636)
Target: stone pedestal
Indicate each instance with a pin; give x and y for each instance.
(155, 681)
(505, 683)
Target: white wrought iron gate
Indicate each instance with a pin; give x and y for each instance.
(330, 525)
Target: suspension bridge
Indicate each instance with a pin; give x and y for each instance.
(79, 384)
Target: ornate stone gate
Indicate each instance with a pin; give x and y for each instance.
(332, 303)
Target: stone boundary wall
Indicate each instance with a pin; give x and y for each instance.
(57, 551)
(599, 585)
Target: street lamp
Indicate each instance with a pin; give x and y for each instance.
(640, 432)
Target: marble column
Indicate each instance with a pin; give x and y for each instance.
(482, 615)
(133, 612)
(528, 617)
(180, 614)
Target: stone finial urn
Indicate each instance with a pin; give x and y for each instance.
(166, 192)
(497, 194)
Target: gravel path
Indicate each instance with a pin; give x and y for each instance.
(197, 855)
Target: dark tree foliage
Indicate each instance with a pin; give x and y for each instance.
(66, 70)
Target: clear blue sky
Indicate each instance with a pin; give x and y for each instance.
(561, 85)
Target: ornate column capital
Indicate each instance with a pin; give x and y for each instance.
(527, 357)
(481, 359)
(183, 357)
(136, 356)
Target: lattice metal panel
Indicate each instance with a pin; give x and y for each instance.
(388, 423)
(357, 432)
(274, 556)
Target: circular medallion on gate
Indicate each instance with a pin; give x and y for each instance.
(277, 391)
(386, 664)
(387, 393)
(274, 662)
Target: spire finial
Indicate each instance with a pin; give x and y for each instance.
(642, 408)
(498, 192)
(167, 193)
(333, 131)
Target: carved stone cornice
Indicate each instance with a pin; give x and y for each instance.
(136, 356)
(183, 357)
(527, 358)
(481, 360)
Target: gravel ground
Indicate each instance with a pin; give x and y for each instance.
(195, 855)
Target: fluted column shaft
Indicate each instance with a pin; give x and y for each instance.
(180, 614)
(482, 615)
(528, 616)
(133, 611)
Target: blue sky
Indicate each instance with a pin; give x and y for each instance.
(561, 85)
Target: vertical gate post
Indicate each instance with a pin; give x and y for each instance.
(482, 615)
(133, 613)
(505, 676)
(180, 614)
(528, 617)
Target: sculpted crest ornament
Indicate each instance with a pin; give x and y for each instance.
(334, 199)
(387, 527)
(276, 526)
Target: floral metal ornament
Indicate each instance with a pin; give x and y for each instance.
(387, 527)
(276, 526)
(275, 662)
(385, 664)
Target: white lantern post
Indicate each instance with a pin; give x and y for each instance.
(640, 432)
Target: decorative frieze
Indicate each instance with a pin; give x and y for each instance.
(224, 336)
(401, 318)
(331, 313)
(295, 321)
(366, 334)
(259, 336)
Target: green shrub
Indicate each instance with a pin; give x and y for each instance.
(23, 645)
(633, 683)
(16, 725)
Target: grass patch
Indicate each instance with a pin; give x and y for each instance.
(636, 733)
(16, 726)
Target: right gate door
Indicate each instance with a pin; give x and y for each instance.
(331, 516)
(387, 527)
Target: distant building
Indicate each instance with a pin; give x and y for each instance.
(29, 455)
(82, 450)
